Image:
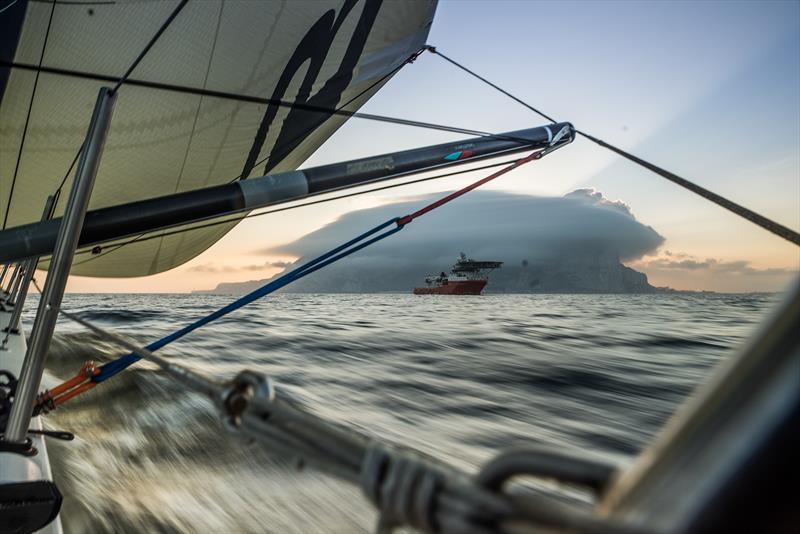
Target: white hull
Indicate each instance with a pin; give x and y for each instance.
(15, 467)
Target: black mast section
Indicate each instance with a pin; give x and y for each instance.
(107, 224)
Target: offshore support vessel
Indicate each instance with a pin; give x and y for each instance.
(467, 277)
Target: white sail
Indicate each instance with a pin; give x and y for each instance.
(323, 53)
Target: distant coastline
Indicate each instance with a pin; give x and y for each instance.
(238, 291)
(597, 277)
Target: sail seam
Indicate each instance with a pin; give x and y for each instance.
(28, 116)
(119, 81)
(260, 100)
(157, 255)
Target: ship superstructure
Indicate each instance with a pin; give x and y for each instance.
(467, 277)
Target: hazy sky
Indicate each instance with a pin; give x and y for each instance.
(710, 90)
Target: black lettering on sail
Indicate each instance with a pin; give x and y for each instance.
(314, 48)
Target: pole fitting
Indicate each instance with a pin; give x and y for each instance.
(245, 387)
(89, 369)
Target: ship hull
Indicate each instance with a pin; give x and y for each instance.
(469, 287)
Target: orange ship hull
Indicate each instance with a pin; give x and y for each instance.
(469, 287)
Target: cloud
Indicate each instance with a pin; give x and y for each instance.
(489, 223)
(596, 198)
(689, 263)
(280, 264)
(578, 237)
(213, 268)
(680, 264)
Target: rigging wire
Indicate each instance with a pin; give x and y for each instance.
(57, 193)
(144, 237)
(238, 97)
(433, 50)
(28, 115)
(150, 44)
(302, 135)
(413, 57)
(9, 5)
(752, 216)
(140, 238)
(746, 213)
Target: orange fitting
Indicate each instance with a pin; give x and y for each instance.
(66, 386)
(49, 399)
(90, 369)
(72, 393)
(87, 371)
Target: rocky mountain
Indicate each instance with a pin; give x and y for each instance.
(567, 277)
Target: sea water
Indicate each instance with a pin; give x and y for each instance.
(460, 378)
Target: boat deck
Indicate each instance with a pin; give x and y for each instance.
(15, 467)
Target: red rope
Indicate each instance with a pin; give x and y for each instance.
(454, 195)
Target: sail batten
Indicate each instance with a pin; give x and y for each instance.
(323, 53)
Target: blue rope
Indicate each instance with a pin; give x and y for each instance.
(354, 245)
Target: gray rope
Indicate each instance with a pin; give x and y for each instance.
(403, 487)
(545, 462)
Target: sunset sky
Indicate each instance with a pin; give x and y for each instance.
(709, 90)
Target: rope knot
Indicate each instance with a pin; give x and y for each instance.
(403, 486)
(45, 402)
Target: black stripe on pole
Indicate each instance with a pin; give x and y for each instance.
(106, 224)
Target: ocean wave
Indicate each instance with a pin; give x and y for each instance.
(457, 382)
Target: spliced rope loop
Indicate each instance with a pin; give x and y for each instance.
(50, 399)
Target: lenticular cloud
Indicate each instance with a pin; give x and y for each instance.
(571, 243)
